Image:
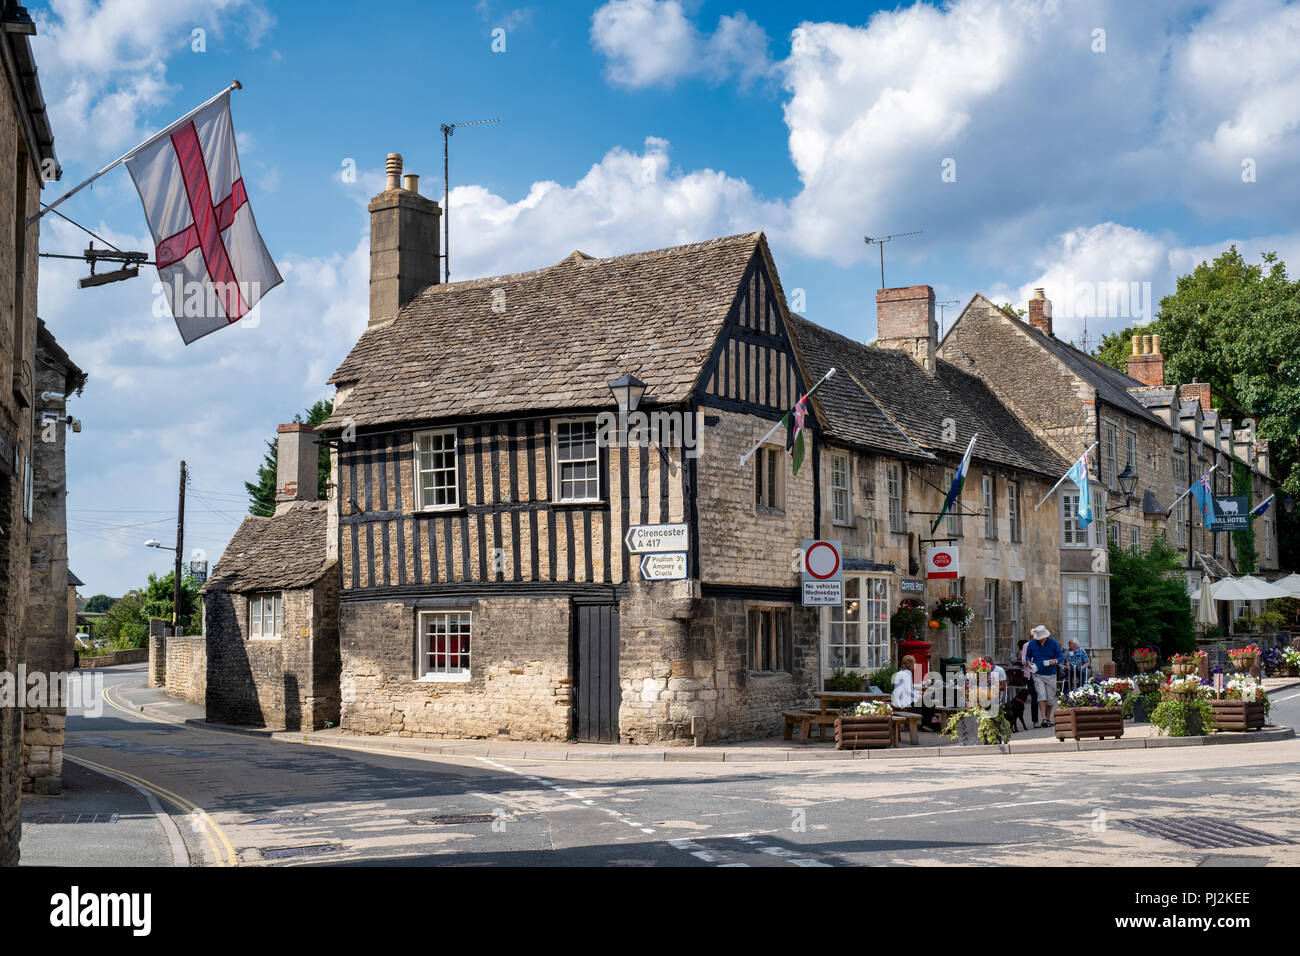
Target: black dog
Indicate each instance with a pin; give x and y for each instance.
(1015, 709)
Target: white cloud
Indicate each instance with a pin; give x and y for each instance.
(104, 65)
(652, 43)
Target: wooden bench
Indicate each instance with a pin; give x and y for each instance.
(905, 718)
(806, 719)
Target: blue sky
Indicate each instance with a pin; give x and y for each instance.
(1084, 143)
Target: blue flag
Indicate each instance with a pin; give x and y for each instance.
(958, 480)
(1260, 508)
(1078, 474)
(1204, 495)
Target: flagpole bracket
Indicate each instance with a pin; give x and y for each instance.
(236, 85)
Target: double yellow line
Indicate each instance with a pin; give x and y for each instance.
(223, 851)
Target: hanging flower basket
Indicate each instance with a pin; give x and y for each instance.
(1146, 659)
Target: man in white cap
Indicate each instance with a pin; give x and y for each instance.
(1044, 656)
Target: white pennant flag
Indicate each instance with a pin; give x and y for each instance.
(211, 260)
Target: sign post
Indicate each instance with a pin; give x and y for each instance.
(823, 574)
(645, 538)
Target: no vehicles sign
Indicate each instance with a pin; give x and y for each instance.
(823, 574)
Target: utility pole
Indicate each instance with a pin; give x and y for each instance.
(880, 241)
(180, 549)
(447, 130)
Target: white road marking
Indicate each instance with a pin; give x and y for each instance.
(987, 806)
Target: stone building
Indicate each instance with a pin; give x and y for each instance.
(898, 419)
(1070, 400)
(270, 610)
(51, 610)
(27, 160)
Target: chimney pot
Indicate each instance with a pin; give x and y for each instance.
(411, 183)
(1040, 312)
(1137, 340)
(1155, 344)
(394, 168)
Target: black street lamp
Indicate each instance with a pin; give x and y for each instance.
(1127, 484)
(627, 390)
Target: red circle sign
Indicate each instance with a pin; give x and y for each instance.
(822, 560)
(942, 559)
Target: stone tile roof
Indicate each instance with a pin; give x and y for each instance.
(562, 334)
(883, 399)
(73, 580)
(283, 551)
(1111, 384)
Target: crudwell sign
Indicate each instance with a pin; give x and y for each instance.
(942, 562)
(823, 574)
(642, 538)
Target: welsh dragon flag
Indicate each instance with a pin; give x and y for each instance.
(794, 426)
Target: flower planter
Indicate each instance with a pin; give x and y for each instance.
(968, 732)
(1079, 722)
(1238, 714)
(1146, 665)
(863, 733)
(1183, 669)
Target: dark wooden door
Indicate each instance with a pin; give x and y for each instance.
(597, 693)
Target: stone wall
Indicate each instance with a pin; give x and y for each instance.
(187, 668)
(16, 378)
(49, 638)
(290, 682)
(520, 680)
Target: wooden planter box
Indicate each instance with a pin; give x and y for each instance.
(1238, 714)
(863, 733)
(1078, 722)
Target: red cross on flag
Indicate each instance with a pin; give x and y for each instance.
(211, 259)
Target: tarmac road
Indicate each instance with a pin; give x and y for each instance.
(245, 800)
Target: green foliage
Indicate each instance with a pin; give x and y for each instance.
(158, 597)
(1115, 347)
(123, 624)
(883, 678)
(1242, 484)
(992, 730)
(261, 493)
(843, 682)
(1215, 632)
(908, 622)
(1011, 310)
(1149, 602)
(1170, 716)
(98, 604)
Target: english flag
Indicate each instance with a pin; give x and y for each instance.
(211, 260)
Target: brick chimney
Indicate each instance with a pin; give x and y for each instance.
(1146, 364)
(905, 321)
(1196, 391)
(296, 465)
(1040, 312)
(403, 243)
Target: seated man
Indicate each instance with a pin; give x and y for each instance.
(1076, 659)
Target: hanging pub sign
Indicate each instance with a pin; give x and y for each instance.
(1230, 514)
(941, 562)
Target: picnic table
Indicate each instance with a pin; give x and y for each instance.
(824, 714)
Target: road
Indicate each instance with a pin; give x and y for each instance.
(253, 801)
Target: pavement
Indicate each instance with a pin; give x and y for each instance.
(241, 798)
(1035, 740)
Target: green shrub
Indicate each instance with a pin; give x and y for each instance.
(1170, 716)
(883, 678)
(1149, 602)
(844, 682)
(992, 730)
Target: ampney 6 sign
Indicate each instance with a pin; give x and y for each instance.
(942, 563)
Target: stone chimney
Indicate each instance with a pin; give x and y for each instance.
(905, 321)
(404, 243)
(296, 465)
(1261, 455)
(1196, 391)
(1146, 364)
(1040, 312)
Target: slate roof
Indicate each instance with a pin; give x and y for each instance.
(1111, 384)
(73, 580)
(283, 551)
(883, 399)
(564, 333)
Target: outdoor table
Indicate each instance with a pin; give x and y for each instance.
(827, 697)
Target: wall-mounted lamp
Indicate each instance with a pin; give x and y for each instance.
(627, 390)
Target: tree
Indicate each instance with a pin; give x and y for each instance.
(158, 597)
(261, 494)
(98, 604)
(1115, 347)
(1149, 605)
(122, 624)
(1012, 311)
